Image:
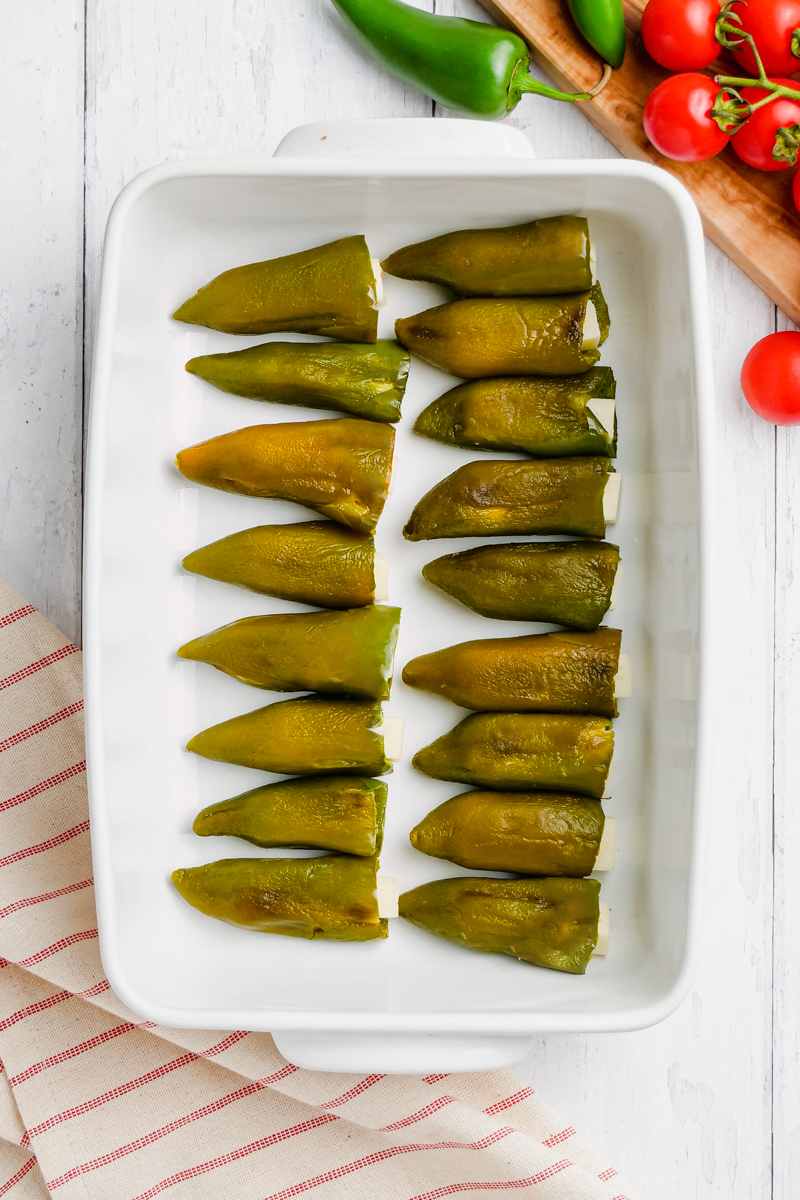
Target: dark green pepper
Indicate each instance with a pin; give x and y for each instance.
(602, 23)
(364, 381)
(548, 922)
(348, 653)
(311, 562)
(547, 495)
(566, 583)
(544, 416)
(524, 752)
(530, 833)
(309, 736)
(332, 897)
(344, 813)
(329, 290)
(540, 672)
(540, 258)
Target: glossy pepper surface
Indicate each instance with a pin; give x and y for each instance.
(332, 812)
(311, 562)
(329, 290)
(349, 653)
(309, 736)
(540, 672)
(602, 23)
(544, 416)
(531, 833)
(546, 495)
(567, 583)
(340, 468)
(474, 339)
(547, 922)
(549, 752)
(540, 258)
(332, 897)
(364, 381)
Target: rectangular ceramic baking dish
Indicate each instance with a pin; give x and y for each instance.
(170, 231)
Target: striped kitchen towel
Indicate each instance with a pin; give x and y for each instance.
(98, 1104)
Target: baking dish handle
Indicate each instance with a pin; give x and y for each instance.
(405, 137)
(400, 1053)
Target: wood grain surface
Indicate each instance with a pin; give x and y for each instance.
(749, 214)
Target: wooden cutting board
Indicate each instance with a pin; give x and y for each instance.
(748, 213)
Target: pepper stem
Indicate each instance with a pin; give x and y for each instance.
(522, 81)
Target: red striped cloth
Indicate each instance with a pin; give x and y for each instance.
(95, 1103)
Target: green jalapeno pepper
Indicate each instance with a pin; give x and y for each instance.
(309, 736)
(567, 583)
(364, 381)
(329, 290)
(332, 897)
(540, 672)
(340, 468)
(344, 813)
(602, 23)
(544, 416)
(548, 752)
(547, 495)
(547, 922)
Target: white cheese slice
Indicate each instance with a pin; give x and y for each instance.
(611, 497)
(380, 291)
(380, 571)
(388, 894)
(591, 328)
(391, 729)
(607, 852)
(593, 260)
(604, 408)
(614, 589)
(603, 931)
(623, 683)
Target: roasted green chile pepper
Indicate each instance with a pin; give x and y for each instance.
(332, 897)
(602, 23)
(364, 381)
(530, 833)
(539, 672)
(542, 415)
(519, 335)
(490, 498)
(344, 813)
(548, 752)
(567, 583)
(309, 736)
(349, 653)
(329, 290)
(540, 258)
(548, 922)
(340, 468)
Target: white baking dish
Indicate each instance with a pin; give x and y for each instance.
(171, 230)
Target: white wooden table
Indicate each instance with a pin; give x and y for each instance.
(706, 1104)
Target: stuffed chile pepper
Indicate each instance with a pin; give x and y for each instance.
(344, 813)
(332, 897)
(568, 583)
(547, 922)
(340, 468)
(364, 381)
(329, 290)
(348, 653)
(546, 416)
(548, 752)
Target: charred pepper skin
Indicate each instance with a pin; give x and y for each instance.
(331, 897)
(361, 380)
(329, 290)
(344, 813)
(566, 583)
(310, 736)
(547, 257)
(310, 562)
(349, 653)
(520, 752)
(530, 833)
(540, 672)
(542, 416)
(547, 922)
(501, 497)
(339, 468)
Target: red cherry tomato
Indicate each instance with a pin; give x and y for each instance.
(771, 378)
(771, 23)
(679, 34)
(796, 191)
(676, 118)
(754, 141)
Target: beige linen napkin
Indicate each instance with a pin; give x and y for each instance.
(95, 1103)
